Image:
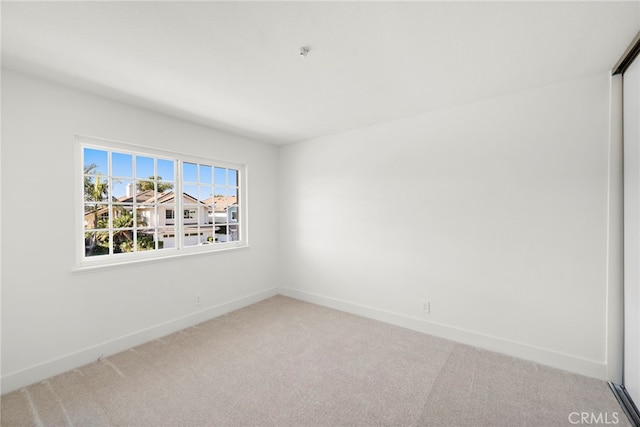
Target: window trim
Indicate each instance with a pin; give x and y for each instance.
(83, 262)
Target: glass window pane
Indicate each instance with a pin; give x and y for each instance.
(190, 217)
(221, 234)
(95, 161)
(189, 172)
(146, 240)
(206, 194)
(164, 187)
(166, 238)
(232, 196)
(226, 195)
(207, 237)
(146, 185)
(220, 192)
(166, 170)
(220, 176)
(220, 209)
(191, 236)
(96, 243)
(144, 167)
(167, 214)
(192, 192)
(123, 237)
(146, 197)
(96, 216)
(233, 214)
(122, 241)
(121, 165)
(122, 190)
(233, 177)
(234, 234)
(210, 218)
(96, 189)
(206, 172)
(123, 216)
(144, 216)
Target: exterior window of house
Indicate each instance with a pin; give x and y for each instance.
(131, 194)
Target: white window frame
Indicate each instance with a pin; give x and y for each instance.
(87, 262)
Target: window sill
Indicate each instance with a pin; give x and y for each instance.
(98, 265)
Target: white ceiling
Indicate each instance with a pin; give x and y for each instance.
(236, 65)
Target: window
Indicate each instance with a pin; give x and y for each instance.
(131, 195)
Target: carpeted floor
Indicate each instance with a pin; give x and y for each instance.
(283, 362)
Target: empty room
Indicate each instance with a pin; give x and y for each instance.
(298, 213)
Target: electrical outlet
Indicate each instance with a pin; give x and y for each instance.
(198, 299)
(425, 306)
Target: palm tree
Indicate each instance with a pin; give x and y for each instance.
(95, 190)
(123, 239)
(149, 184)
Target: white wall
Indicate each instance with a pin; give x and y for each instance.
(496, 212)
(54, 319)
(501, 223)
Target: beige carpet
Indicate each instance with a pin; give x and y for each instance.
(283, 362)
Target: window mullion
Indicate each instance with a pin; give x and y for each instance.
(134, 205)
(179, 215)
(109, 200)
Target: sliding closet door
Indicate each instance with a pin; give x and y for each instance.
(631, 117)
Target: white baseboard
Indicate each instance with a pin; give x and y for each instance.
(25, 377)
(543, 356)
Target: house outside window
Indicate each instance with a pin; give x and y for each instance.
(129, 200)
